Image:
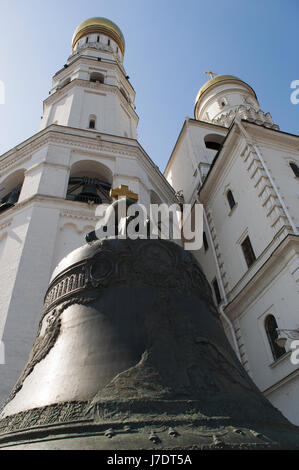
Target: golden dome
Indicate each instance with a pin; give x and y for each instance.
(217, 79)
(100, 25)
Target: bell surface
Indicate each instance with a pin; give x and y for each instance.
(131, 354)
(89, 193)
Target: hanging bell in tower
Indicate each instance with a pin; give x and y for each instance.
(10, 199)
(131, 354)
(89, 192)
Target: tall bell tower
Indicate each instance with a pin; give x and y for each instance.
(52, 184)
(92, 90)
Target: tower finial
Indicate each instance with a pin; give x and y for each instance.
(212, 74)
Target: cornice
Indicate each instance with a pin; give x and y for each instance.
(4, 169)
(98, 145)
(211, 125)
(52, 136)
(73, 214)
(21, 155)
(47, 164)
(64, 206)
(265, 134)
(285, 380)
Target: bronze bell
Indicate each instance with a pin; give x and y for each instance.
(89, 192)
(10, 199)
(131, 354)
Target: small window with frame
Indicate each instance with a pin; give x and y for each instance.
(295, 168)
(271, 330)
(248, 251)
(216, 291)
(230, 199)
(222, 102)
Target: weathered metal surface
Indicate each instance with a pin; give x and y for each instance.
(131, 354)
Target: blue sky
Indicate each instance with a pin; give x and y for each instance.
(169, 46)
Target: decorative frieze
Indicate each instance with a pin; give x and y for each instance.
(249, 114)
(265, 191)
(108, 268)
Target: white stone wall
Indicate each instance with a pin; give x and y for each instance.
(278, 159)
(247, 218)
(80, 100)
(270, 285)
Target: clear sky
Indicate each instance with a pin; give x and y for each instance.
(169, 46)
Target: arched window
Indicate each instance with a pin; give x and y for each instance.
(271, 327)
(97, 77)
(248, 252)
(92, 124)
(89, 182)
(92, 121)
(230, 199)
(214, 141)
(295, 169)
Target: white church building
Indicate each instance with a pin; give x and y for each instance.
(230, 157)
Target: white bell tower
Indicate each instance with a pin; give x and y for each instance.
(92, 90)
(52, 184)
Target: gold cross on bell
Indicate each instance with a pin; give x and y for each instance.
(212, 74)
(123, 191)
